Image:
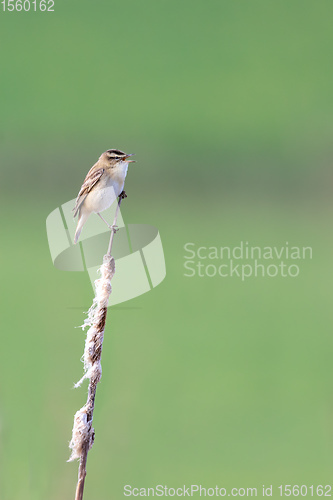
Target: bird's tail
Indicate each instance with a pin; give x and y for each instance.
(77, 233)
(82, 219)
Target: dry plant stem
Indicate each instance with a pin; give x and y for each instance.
(83, 432)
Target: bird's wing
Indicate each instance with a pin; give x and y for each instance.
(93, 176)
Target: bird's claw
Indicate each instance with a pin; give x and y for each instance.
(122, 195)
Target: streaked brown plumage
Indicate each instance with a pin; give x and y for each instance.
(101, 187)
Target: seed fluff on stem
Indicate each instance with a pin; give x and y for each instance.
(83, 432)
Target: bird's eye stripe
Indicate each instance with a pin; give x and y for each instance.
(116, 153)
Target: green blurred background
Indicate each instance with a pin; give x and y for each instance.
(228, 107)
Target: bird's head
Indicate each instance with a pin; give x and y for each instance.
(114, 157)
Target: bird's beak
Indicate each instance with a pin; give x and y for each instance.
(130, 161)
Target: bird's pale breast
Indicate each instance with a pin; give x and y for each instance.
(107, 190)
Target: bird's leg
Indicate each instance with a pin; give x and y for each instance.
(122, 195)
(114, 228)
(99, 215)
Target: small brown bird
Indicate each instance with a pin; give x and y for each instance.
(102, 186)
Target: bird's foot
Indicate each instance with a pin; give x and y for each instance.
(122, 195)
(114, 228)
